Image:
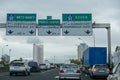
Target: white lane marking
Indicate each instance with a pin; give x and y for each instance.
(47, 71)
(56, 76)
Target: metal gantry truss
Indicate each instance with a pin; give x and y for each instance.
(96, 26)
(106, 26)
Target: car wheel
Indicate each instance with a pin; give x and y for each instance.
(10, 74)
(15, 74)
(61, 79)
(26, 73)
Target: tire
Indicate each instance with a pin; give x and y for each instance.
(10, 74)
(26, 73)
(61, 79)
(16, 74)
(91, 76)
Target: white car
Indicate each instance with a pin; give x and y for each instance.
(19, 67)
(43, 67)
(115, 74)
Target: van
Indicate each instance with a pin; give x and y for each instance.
(34, 67)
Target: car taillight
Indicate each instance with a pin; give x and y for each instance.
(78, 71)
(94, 70)
(61, 71)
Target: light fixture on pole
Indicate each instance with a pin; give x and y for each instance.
(3, 48)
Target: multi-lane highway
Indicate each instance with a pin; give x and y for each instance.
(44, 75)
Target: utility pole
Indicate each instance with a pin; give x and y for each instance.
(106, 26)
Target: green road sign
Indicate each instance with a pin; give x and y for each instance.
(76, 17)
(49, 27)
(48, 22)
(21, 17)
(49, 17)
(21, 24)
(77, 24)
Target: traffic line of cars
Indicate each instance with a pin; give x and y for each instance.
(73, 71)
(26, 67)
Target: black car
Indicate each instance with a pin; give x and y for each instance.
(34, 67)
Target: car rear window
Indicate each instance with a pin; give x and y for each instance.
(70, 66)
(32, 64)
(42, 64)
(101, 66)
(18, 64)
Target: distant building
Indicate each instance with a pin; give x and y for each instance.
(80, 49)
(38, 53)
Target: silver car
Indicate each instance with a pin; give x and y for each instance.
(69, 71)
(19, 67)
(99, 70)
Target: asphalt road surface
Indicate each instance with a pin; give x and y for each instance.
(44, 75)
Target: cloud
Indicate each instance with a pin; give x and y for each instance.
(32, 40)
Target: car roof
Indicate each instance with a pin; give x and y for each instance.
(69, 64)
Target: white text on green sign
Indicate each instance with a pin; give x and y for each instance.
(48, 22)
(76, 17)
(21, 17)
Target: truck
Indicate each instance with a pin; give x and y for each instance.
(95, 55)
(92, 56)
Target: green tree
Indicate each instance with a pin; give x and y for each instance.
(75, 61)
(20, 59)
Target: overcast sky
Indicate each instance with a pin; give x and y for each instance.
(63, 48)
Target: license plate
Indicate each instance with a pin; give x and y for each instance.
(69, 71)
(101, 71)
(16, 68)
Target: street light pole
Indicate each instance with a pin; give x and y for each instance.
(10, 53)
(106, 26)
(3, 48)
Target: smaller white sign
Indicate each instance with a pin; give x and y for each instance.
(21, 28)
(46, 30)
